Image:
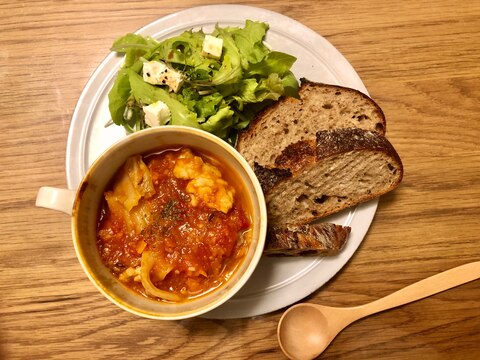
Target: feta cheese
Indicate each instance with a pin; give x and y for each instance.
(212, 47)
(157, 114)
(159, 73)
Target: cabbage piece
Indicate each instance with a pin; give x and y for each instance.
(154, 263)
(133, 182)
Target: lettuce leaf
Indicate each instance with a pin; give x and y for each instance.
(231, 69)
(118, 97)
(134, 46)
(220, 123)
(274, 62)
(249, 41)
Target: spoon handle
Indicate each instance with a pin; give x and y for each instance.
(424, 288)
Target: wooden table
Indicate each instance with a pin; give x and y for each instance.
(420, 61)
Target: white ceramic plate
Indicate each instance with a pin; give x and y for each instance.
(277, 282)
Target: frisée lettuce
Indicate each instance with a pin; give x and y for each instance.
(219, 93)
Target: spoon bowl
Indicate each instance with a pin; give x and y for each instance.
(308, 321)
(305, 330)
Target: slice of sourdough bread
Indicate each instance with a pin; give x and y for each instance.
(319, 107)
(312, 179)
(315, 239)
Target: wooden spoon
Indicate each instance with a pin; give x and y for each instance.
(305, 330)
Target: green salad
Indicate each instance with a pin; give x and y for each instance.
(216, 82)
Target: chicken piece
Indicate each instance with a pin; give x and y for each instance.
(206, 183)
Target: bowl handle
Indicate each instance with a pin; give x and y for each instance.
(55, 199)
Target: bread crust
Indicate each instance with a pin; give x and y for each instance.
(325, 239)
(269, 177)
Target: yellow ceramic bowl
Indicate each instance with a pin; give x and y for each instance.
(87, 204)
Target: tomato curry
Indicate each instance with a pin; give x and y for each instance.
(174, 225)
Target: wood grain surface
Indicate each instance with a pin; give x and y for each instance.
(420, 60)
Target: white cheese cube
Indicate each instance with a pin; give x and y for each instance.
(212, 46)
(159, 73)
(174, 79)
(153, 72)
(156, 114)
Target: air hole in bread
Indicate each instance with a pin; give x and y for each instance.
(327, 106)
(301, 198)
(362, 117)
(341, 198)
(338, 93)
(307, 184)
(379, 127)
(320, 199)
(314, 212)
(295, 121)
(307, 252)
(285, 130)
(392, 168)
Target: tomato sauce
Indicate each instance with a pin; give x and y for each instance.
(195, 248)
